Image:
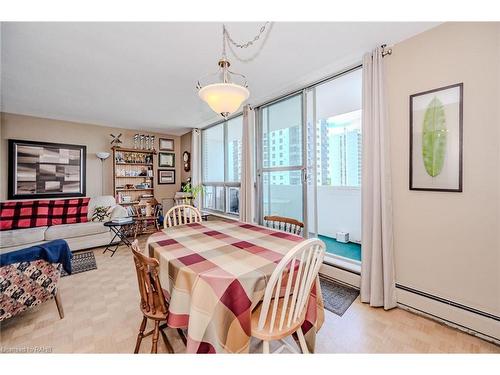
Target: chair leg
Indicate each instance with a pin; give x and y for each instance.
(182, 335)
(136, 229)
(265, 346)
(302, 341)
(140, 335)
(59, 305)
(165, 340)
(156, 334)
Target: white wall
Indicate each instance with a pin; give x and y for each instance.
(448, 244)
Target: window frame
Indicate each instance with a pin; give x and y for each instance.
(225, 184)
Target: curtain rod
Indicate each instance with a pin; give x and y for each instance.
(384, 51)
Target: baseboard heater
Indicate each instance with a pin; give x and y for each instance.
(450, 303)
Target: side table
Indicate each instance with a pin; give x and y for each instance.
(119, 230)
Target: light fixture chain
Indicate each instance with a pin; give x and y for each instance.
(224, 36)
(247, 44)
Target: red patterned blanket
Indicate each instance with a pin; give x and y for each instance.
(29, 214)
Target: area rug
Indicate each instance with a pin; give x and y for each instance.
(81, 262)
(337, 297)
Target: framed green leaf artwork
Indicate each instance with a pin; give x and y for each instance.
(436, 122)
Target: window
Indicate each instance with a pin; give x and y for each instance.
(344, 149)
(213, 159)
(221, 166)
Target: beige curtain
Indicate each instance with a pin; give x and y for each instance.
(196, 161)
(247, 190)
(377, 263)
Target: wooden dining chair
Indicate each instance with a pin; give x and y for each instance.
(181, 214)
(153, 303)
(282, 313)
(146, 218)
(285, 224)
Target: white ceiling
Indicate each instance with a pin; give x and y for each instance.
(143, 75)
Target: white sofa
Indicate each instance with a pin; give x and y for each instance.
(78, 236)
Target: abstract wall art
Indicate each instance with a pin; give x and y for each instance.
(46, 170)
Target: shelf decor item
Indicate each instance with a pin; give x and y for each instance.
(136, 141)
(436, 127)
(133, 174)
(166, 160)
(166, 144)
(46, 170)
(166, 177)
(115, 139)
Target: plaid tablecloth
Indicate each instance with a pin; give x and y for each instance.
(215, 273)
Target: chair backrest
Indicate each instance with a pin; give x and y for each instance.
(181, 214)
(293, 279)
(285, 224)
(139, 210)
(152, 298)
(149, 208)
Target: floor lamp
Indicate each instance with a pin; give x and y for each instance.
(102, 156)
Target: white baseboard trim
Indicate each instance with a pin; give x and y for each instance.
(475, 324)
(345, 276)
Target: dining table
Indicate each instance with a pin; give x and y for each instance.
(214, 273)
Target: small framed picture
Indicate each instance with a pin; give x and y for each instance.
(166, 160)
(166, 177)
(166, 144)
(436, 122)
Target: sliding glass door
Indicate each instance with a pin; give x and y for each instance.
(334, 164)
(281, 165)
(309, 167)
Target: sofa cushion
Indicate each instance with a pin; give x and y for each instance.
(74, 230)
(102, 213)
(18, 237)
(105, 200)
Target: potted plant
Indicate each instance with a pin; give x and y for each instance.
(193, 192)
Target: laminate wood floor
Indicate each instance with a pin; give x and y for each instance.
(102, 316)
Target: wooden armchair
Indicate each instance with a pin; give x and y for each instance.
(153, 303)
(285, 224)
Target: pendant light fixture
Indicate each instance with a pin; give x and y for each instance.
(228, 94)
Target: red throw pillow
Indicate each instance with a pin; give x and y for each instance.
(68, 211)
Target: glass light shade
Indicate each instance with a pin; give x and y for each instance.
(224, 98)
(102, 155)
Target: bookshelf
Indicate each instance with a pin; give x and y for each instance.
(133, 175)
